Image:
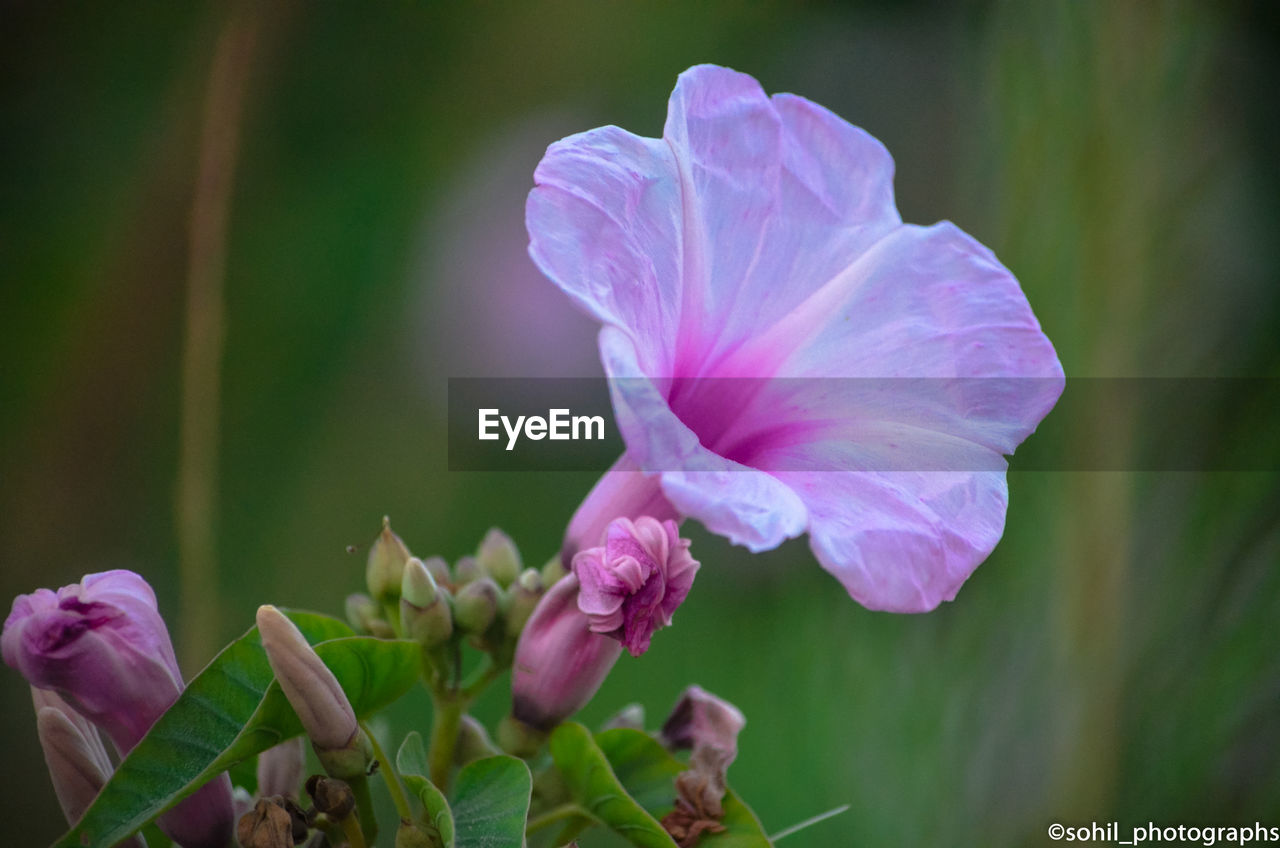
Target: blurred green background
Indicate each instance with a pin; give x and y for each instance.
(1118, 657)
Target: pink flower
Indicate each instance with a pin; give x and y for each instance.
(746, 266)
(632, 584)
(102, 645)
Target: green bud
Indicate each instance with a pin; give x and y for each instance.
(521, 600)
(552, 572)
(519, 739)
(467, 569)
(387, 556)
(361, 611)
(499, 558)
(412, 835)
(429, 625)
(473, 742)
(476, 605)
(632, 716)
(438, 569)
(417, 586)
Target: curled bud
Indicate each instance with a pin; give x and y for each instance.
(467, 569)
(280, 769)
(522, 600)
(267, 825)
(499, 558)
(387, 556)
(559, 662)
(634, 581)
(332, 796)
(417, 586)
(476, 605)
(315, 695)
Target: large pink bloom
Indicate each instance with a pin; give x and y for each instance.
(758, 240)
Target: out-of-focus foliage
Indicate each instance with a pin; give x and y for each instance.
(1114, 659)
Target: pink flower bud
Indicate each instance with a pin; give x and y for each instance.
(559, 662)
(102, 645)
(634, 581)
(312, 690)
(280, 769)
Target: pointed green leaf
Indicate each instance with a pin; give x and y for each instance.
(411, 762)
(597, 789)
(648, 772)
(491, 802)
(233, 710)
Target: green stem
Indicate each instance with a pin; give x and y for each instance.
(351, 830)
(445, 721)
(556, 814)
(368, 829)
(389, 774)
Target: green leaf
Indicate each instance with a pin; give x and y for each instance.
(411, 762)
(491, 802)
(233, 710)
(597, 789)
(648, 771)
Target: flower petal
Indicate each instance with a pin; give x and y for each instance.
(747, 506)
(604, 226)
(902, 541)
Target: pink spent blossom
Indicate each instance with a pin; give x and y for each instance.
(632, 583)
(747, 267)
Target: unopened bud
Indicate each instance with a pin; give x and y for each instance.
(522, 599)
(553, 571)
(431, 625)
(78, 764)
(331, 796)
(632, 716)
(361, 611)
(473, 742)
(417, 586)
(467, 569)
(267, 825)
(559, 663)
(476, 606)
(438, 569)
(387, 556)
(499, 558)
(411, 835)
(280, 768)
(519, 739)
(315, 695)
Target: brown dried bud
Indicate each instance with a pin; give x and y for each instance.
(331, 796)
(267, 825)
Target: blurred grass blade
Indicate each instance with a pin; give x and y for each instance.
(809, 822)
(233, 710)
(647, 771)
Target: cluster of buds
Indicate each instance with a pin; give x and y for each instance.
(485, 598)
